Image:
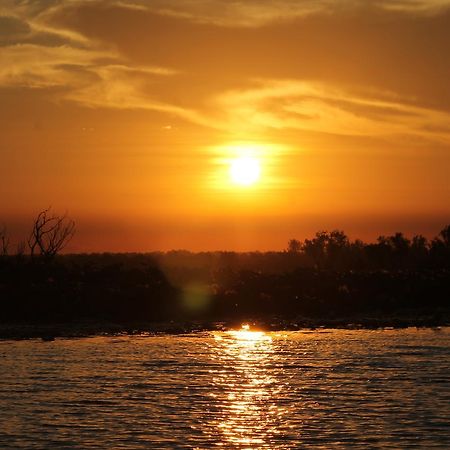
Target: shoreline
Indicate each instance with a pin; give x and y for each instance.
(49, 332)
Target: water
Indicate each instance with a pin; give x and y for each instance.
(244, 389)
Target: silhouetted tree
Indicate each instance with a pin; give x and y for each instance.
(294, 246)
(315, 248)
(331, 249)
(20, 249)
(50, 234)
(440, 248)
(419, 243)
(4, 241)
(419, 250)
(399, 243)
(357, 255)
(444, 236)
(337, 248)
(378, 280)
(391, 252)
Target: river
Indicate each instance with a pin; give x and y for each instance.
(241, 389)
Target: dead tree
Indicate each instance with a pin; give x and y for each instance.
(50, 234)
(4, 241)
(20, 250)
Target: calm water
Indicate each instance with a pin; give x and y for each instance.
(321, 389)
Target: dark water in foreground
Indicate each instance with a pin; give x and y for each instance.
(320, 389)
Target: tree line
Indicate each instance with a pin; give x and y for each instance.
(50, 233)
(325, 278)
(334, 250)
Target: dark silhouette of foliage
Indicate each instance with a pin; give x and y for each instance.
(294, 246)
(325, 279)
(444, 236)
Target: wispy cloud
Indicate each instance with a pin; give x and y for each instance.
(37, 66)
(34, 15)
(36, 51)
(417, 6)
(222, 12)
(123, 87)
(260, 12)
(320, 107)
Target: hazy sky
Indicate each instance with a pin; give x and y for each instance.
(128, 114)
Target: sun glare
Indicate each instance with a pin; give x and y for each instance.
(244, 334)
(244, 170)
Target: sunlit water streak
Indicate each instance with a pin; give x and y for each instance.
(241, 389)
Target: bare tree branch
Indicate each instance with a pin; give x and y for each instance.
(50, 234)
(20, 250)
(4, 241)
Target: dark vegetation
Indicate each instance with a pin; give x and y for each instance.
(327, 280)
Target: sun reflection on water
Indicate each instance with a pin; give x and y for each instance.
(249, 414)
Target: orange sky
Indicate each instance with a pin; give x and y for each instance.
(127, 115)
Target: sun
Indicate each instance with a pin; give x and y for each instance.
(244, 170)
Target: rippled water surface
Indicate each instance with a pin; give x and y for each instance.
(243, 389)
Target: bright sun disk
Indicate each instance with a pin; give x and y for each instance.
(244, 170)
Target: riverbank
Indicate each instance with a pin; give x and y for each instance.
(72, 298)
(48, 332)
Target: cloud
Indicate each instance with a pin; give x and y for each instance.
(417, 6)
(39, 53)
(33, 16)
(36, 66)
(225, 12)
(12, 27)
(218, 12)
(14, 30)
(326, 68)
(90, 78)
(261, 12)
(319, 107)
(121, 87)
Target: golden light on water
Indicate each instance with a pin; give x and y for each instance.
(248, 413)
(245, 335)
